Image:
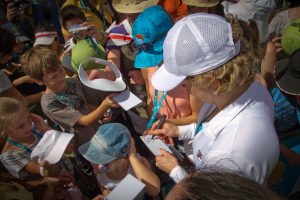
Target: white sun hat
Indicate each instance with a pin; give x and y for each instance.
(52, 146)
(196, 44)
(102, 84)
(44, 38)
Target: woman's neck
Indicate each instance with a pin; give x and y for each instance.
(222, 101)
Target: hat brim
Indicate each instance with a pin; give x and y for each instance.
(147, 60)
(44, 41)
(128, 6)
(196, 3)
(163, 80)
(90, 152)
(284, 80)
(58, 150)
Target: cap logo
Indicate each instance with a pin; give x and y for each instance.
(140, 38)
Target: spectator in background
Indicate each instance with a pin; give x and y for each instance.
(95, 12)
(257, 11)
(208, 6)
(175, 8)
(282, 20)
(7, 43)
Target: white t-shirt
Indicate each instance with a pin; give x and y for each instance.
(279, 22)
(240, 138)
(5, 83)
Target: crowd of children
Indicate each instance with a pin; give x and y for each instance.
(225, 74)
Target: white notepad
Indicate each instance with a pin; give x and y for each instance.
(155, 144)
(127, 100)
(130, 188)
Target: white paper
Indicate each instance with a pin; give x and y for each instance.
(77, 28)
(102, 84)
(155, 144)
(127, 100)
(130, 188)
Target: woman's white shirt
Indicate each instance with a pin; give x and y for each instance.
(240, 138)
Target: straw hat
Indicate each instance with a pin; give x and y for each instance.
(132, 6)
(201, 3)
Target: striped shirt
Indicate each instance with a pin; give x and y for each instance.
(285, 110)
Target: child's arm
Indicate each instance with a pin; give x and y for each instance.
(142, 169)
(99, 112)
(48, 171)
(149, 100)
(192, 118)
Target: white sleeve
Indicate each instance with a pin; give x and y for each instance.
(187, 131)
(178, 173)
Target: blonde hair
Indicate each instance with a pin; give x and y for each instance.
(38, 61)
(236, 72)
(9, 109)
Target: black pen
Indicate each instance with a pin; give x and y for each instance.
(160, 123)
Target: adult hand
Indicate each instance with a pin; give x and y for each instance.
(165, 161)
(39, 123)
(11, 11)
(168, 129)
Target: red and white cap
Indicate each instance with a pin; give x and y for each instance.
(44, 38)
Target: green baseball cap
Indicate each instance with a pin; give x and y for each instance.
(85, 49)
(290, 38)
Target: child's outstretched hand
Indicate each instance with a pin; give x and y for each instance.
(39, 122)
(109, 102)
(132, 149)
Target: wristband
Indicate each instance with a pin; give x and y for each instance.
(43, 172)
(42, 169)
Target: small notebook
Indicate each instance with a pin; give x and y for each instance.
(155, 144)
(130, 188)
(127, 100)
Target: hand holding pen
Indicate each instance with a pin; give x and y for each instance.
(160, 123)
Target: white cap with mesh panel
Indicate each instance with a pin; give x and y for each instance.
(196, 44)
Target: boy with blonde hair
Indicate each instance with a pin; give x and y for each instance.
(75, 107)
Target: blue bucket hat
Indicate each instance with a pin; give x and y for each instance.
(149, 31)
(111, 142)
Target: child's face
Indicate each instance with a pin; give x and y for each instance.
(21, 125)
(55, 80)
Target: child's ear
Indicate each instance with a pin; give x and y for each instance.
(38, 82)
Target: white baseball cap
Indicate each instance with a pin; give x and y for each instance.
(44, 38)
(52, 146)
(196, 44)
